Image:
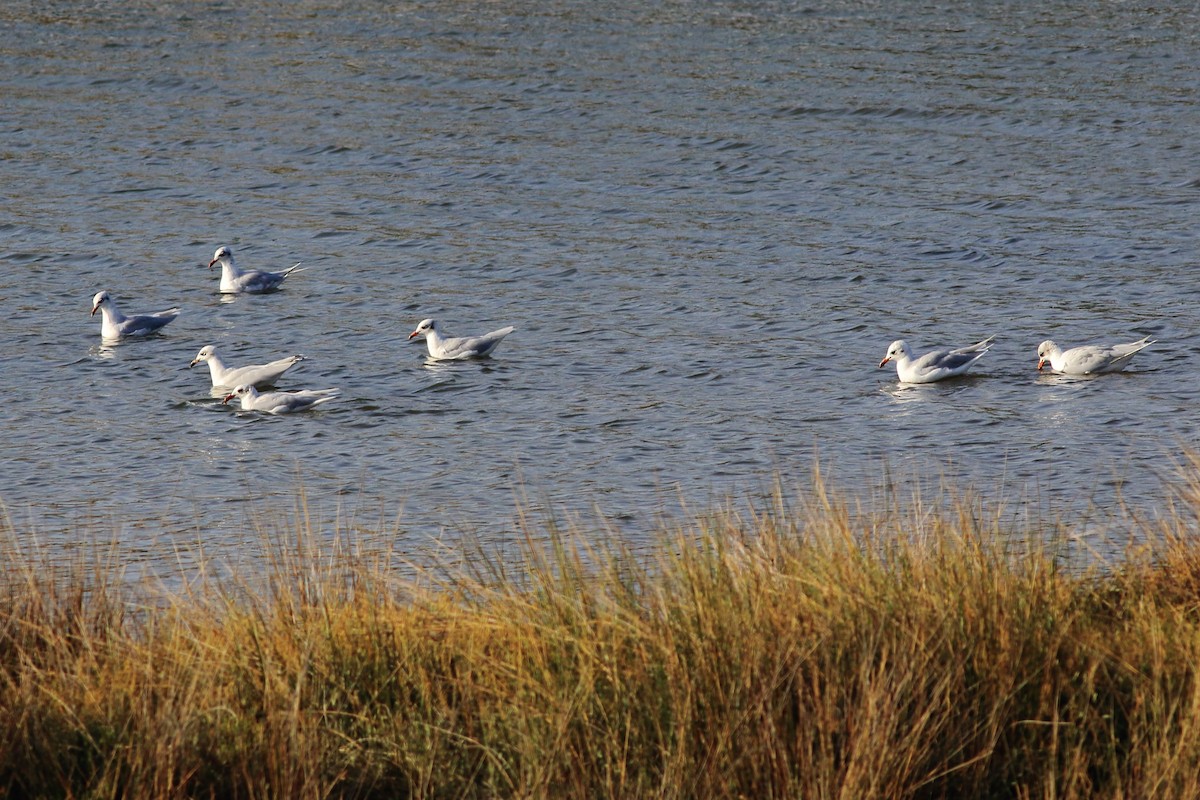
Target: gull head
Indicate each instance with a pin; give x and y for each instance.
(1044, 350)
(220, 255)
(426, 326)
(100, 299)
(241, 391)
(206, 352)
(896, 349)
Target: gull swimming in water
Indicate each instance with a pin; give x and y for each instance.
(934, 366)
(255, 375)
(252, 281)
(116, 325)
(280, 402)
(1089, 359)
(451, 348)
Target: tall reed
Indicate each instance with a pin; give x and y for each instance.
(805, 649)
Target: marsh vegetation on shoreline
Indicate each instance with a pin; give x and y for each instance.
(804, 650)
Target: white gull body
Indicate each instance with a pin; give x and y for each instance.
(458, 347)
(251, 281)
(280, 402)
(1089, 359)
(116, 325)
(936, 365)
(255, 375)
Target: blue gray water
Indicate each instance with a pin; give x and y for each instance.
(706, 219)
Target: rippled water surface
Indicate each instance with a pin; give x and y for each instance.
(707, 221)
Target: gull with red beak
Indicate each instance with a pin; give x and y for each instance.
(934, 366)
(116, 325)
(1089, 359)
(280, 402)
(255, 374)
(448, 348)
(251, 281)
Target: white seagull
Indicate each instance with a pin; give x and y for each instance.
(117, 326)
(254, 375)
(448, 348)
(254, 281)
(936, 365)
(1089, 359)
(280, 402)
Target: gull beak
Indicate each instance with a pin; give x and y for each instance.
(1041, 363)
(885, 360)
(93, 311)
(414, 333)
(228, 397)
(195, 361)
(212, 262)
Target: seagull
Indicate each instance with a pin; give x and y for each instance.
(255, 375)
(253, 281)
(280, 402)
(117, 326)
(936, 365)
(1089, 359)
(448, 348)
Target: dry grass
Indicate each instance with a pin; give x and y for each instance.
(807, 650)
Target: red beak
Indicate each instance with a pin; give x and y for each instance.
(211, 263)
(414, 333)
(93, 311)
(881, 363)
(228, 397)
(1041, 362)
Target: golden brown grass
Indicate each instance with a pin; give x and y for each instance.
(807, 650)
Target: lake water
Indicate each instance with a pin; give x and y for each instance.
(706, 219)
